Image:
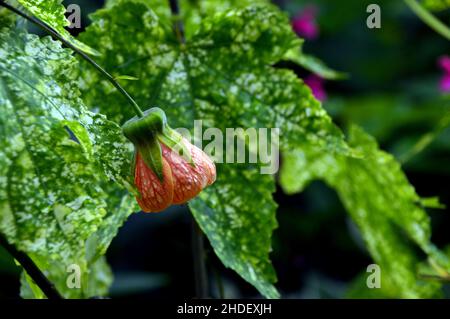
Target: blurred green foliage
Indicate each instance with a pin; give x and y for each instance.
(392, 92)
(437, 4)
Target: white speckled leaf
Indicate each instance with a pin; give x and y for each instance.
(193, 12)
(52, 13)
(226, 213)
(383, 204)
(222, 75)
(54, 158)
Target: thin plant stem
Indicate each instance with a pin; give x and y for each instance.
(56, 35)
(426, 139)
(429, 18)
(31, 269)
(219, 283)
(198, 247)
(199, 256)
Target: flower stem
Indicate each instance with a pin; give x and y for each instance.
(55, 34)
(429, 18)
(198, 248)
(198, 254)
(32, 270)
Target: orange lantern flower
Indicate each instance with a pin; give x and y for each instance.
(168, 169)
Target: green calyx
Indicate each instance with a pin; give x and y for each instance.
(147, 132)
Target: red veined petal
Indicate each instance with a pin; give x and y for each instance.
(189, 180)
(155, 195)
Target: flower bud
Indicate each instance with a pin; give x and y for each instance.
(168, 169)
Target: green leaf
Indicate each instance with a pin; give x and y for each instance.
(125, 77)
(432, 202)
(383, 204)
(52, 12)
(7, 18)
(193, 12)
(240, 236)
(95, 281)
(119, 208)
(28, 289)
(436, 5)
(357, 289)
(57, 161)
(222, 75)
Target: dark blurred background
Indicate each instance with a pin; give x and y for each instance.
(393, 92)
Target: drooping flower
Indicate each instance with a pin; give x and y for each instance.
(444, 64)
(316, 84)
(168, 169)
(189, 179)
(304, 23)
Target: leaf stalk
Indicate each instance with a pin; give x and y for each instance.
(429, 18)
(32, 270)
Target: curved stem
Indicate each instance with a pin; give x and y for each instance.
(428, 18)
(55, 34)
(426, 139)
(32, 270)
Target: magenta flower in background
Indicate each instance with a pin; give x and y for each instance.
(444, 64)
(304, 23)
(444, 83)
(316, 83)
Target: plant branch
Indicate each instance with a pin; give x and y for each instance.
(177, 22)
(198, 254)
(56, 35)
(429, 18)
(32, 270)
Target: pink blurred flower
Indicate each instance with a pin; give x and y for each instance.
(444, 64)
(444, 83)
(316, 83)
(304, 23)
